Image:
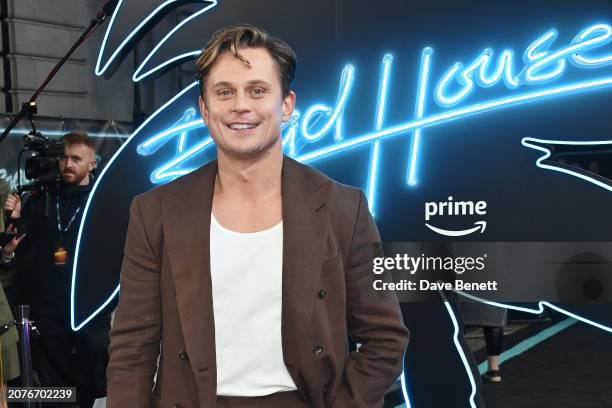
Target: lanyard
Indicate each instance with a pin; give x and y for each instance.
(59, 222)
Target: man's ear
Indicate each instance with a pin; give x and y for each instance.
(288, 106)
(93, 163)
(203, 110)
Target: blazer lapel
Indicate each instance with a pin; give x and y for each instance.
(304, 220)
(187, 233)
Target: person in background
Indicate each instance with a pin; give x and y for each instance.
(492, 319)
(8, 339)
(44, 260)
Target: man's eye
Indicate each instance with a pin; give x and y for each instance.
(224, 92)
(258, 91)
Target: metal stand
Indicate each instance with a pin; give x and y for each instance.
(25, 327)
(29, 107)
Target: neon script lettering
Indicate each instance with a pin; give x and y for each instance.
(304, 135)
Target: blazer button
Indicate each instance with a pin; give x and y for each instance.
(317, 350)
(325, 388)
(322, 293)
(183, 355)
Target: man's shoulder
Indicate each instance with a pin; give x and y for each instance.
(181, 185)
(306, 176)
(338, 194)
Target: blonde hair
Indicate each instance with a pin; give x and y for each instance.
(233, 38)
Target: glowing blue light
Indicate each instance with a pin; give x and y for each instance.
(540, 65)
(380, 113)
(346, 82)
(291, 138)
(169, 171)
(459, 349)
(288, 141)
(528, 142)
(404, 388)
(530, 342)
(562, 53)
(152, 144)
(187, 116)
(477, 72)
(538, 50)
(481, 64)
(419, 112)
(164, 172)
(503, 71)
(339, 135)
(315, 112)
(538, 311)
(86, 210)
(582, 61)
(467, 86)
(138, 76)
(464, 76)
(455, 114)
(289, 130)
(100, 70)
(537, 57)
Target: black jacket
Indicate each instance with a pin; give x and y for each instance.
(44, 285)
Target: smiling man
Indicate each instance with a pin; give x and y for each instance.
(250, 273)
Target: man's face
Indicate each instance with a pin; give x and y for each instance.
(244, 106)
(76, 163)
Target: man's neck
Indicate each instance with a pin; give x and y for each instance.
(74, 187)
(250, 178)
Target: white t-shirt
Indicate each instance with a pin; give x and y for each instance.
(246, 271)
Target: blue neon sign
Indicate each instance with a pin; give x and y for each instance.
(318, 133)
(304, 136)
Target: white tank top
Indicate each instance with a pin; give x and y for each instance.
(246, 271)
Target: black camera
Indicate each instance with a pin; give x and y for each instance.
(43, 166)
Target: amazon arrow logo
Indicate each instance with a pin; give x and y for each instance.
(456, 208)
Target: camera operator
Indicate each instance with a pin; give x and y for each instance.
(50, 223)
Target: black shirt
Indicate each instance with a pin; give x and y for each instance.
(44, 284)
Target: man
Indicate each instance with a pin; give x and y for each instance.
(253, 270)
(47, 233)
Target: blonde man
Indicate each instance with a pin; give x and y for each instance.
(252, 271)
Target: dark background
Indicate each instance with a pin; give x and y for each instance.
(472, 159)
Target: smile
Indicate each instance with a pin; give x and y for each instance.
(242, 126)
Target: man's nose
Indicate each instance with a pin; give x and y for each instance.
(241, 103)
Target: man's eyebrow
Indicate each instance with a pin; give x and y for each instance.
(252, 82)
(258, 82)
(221, 84)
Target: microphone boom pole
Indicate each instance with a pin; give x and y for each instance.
(29, 107)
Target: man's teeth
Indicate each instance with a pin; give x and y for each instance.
(242, 126)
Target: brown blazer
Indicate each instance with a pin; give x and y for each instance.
(165, 300)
